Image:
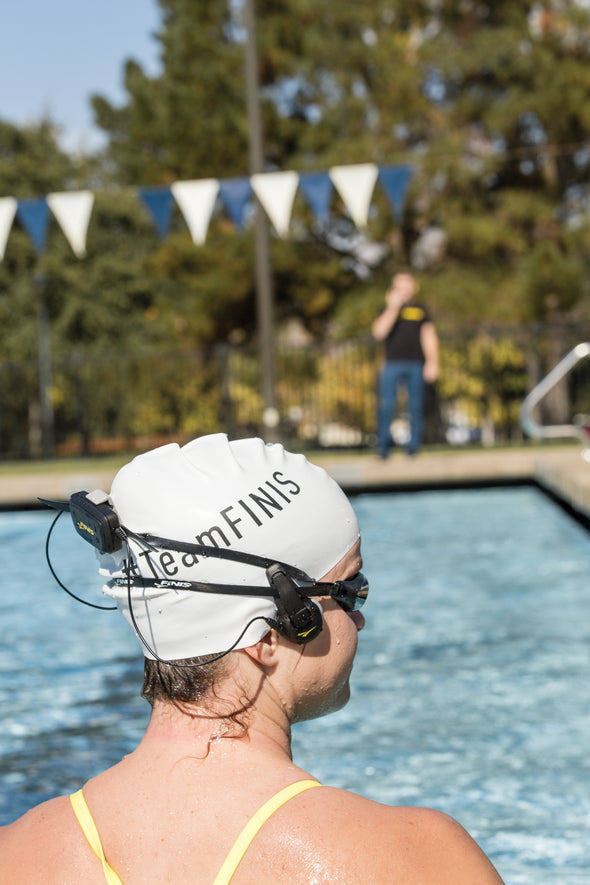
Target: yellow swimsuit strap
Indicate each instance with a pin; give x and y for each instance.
(82, 812)
(236, 854)
(245, 838)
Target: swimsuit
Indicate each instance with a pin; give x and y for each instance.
(231, 862)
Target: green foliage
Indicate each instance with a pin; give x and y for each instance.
(487, 383)
(190, 121)
(319, 388)
(487, 102)
(31, 163)
(351, 82)
(553, 280)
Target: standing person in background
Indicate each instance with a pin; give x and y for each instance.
(411, 356)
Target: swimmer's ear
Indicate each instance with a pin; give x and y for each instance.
(265, 651)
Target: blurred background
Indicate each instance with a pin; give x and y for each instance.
(467, 126)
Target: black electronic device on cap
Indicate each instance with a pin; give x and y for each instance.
(94, 519)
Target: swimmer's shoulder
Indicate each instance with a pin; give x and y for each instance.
(43, 844)
(373, 843)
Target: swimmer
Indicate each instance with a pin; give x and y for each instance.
(237, 566)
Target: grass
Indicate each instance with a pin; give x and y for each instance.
(56, 466)
(63, 465)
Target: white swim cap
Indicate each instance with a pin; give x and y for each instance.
(244, 495)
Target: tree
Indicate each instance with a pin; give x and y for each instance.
(190, 122)
(98, 305)
(485, 100)
(511, 161)
(31, 165)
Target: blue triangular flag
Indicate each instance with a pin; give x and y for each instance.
(33, 214)
(158, 201)
(235, 195)
(394, 181)
(317, 188)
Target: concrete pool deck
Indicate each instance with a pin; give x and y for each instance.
(562, 472)
(559, 470)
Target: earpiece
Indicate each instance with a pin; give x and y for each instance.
(300, 619)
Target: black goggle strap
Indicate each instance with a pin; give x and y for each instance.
(193, 586)
(117, 536)
(263, 562)
(351, 593)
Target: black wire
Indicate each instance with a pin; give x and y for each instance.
(144, 641)
(106, 608)
(124, 538)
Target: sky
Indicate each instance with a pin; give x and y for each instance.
(54, 54)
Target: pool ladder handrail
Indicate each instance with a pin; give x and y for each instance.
(554, 431)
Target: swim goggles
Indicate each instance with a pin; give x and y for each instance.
(349, 593)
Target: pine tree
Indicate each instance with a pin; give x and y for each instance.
(504, 173)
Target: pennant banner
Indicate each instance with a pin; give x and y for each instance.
(7, 212)
(317, 189)
(236, 193)
(276, 192)
(356, 184)
(34, 216)
(196, 201)
(394, 181)
(158, 201)
(72, 211)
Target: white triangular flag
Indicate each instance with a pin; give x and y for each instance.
(196, 201)
(276, 192)
(72, 211)
(356, 184)
(7, 212)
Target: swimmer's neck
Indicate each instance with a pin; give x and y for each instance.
(173, 730)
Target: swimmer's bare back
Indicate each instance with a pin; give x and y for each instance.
(324, 835)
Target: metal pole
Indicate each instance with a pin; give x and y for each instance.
(264, 293)
(553, 431)
(45, 372)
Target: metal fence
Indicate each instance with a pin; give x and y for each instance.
(326, 394)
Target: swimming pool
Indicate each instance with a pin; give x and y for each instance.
(471, 691)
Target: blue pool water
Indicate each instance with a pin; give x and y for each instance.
(471, 691)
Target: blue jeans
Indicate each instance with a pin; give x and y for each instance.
(394, 371)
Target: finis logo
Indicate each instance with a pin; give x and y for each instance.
(81, 526)
(162, 585)
(307, 632)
